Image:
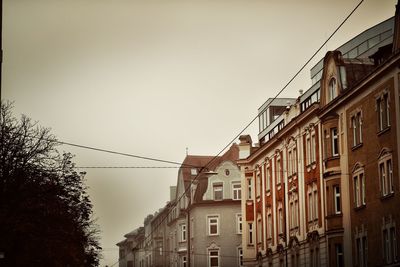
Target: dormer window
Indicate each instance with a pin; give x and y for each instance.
(332, 90)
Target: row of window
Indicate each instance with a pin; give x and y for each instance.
(385, 180)
(218, 189)
(389, 245)
(213, 226)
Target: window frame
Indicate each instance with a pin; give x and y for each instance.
(334, 142)
(236, 191)
(337, 199)
(210, 250)
(332, 89)
(239, 223)
(383, 111)
(209, 224)
(218, 187)
(386, 177)
(183, 231)
(359, 198)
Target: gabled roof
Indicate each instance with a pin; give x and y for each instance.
(202, 182)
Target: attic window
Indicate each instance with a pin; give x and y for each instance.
(332, 93)
(193, 171)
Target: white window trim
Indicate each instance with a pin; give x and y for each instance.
(270, 226)
(209, 217)
(237, 190)
(388, 174)
(239, 221)
(336, 197)
(183, 232)
(215, 185)
(334, 137)
(209, 250)
(250, 229)
(240, 254)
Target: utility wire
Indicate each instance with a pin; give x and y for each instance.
(251, 122)
(126, 154)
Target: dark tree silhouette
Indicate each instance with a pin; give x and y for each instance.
(45, 211)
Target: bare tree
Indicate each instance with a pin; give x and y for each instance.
(45, 211)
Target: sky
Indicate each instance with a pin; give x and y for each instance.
(154, 78)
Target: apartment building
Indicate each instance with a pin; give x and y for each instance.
(201, 225)
(321, 186)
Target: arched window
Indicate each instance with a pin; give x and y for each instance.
(358, 185)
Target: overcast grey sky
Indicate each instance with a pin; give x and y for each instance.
(154, 77)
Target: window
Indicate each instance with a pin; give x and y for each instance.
(280, 218)
(249, 189)
(390, 245)
(382, 107)
(308, 150)
(294, 161)
(312, 192)
(332, 91)
(259, 231)
(193, 171)
(217, 190)
(339, 255)
(293, 210)
(213, 257)
(359, 189)
(240, 257)
(239, 223)
(213, 225)
(335, 142)
(268, 179)
(250, 235)
(184, 261)
(313, 148)
(362, 251)
(278, 171)
(236, 191)
(357, 130)
(336, 199)
(183, 232)
(269, 223)
(386, 175)
(258, 186)
(290, 163)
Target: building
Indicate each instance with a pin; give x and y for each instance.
(129, 254)
(203, 214)
(322, 186)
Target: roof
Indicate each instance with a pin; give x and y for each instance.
(230, 155)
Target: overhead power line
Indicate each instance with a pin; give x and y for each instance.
(127, 154)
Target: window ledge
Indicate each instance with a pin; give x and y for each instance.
(391, 194)
(361, 207)
(335, 215)
(357, 146)
(384, 130)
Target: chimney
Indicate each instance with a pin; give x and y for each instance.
(244, 146)
(396, 34)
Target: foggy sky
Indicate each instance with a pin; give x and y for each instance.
(154, 77)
